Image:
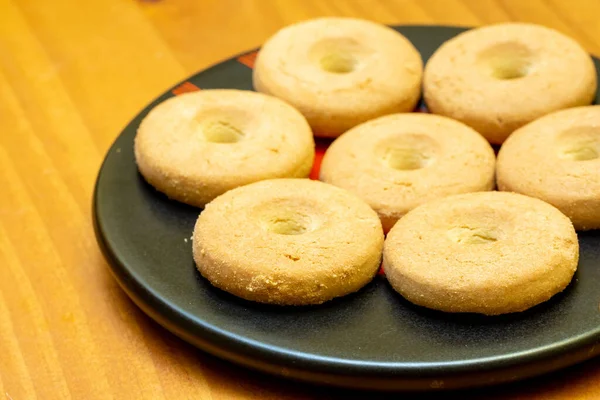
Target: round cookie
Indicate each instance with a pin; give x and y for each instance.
(199, 145)
(557, 159)
(490, 253)
(498, 78)
(288, 242)
(400, 161)
(340, 72)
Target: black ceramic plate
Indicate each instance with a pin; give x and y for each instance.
(373, 339)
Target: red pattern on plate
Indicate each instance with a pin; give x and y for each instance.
(248, 59)
(185, 87)
(321, 146)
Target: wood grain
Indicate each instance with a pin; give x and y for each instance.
(71, 76)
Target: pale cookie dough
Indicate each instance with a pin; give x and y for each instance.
(557, 159)
(199, 145)
(498, 78)
(490, 253)
(340, 72)
(399, 161)
(288, 242)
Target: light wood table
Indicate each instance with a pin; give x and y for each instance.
(72, 74)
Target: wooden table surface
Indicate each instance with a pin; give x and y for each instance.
(72, 74)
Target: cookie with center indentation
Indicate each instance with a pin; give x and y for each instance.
(400, 161)
(340, 72)
(490, 253)
(557, 159)
(500, 77)
(196, 146)
(288, 242)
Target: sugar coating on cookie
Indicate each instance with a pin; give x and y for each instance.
(557, 159)
(196, 146)
(400, 161)
(489, 252)
(288, 242)
(498, 78)
(340, 72)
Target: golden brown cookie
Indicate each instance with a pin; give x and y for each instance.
(340, 72)
(490, 253)
(196, 146)
(288, 242)
(557, 159)
(498, 78)
(399, 161)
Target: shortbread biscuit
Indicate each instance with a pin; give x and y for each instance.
(490, 253)
(400, 161)
(199, 145)
(340, 72)
(557, 159)
(500, 77)
(288, 242)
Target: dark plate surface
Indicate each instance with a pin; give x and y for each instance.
(372, 339)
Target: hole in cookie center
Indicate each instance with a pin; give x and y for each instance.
(579, 144)
(287, 226)
(287, 222)
(505, 61)
(470, 235)
(338, 62)
(218, 131)
(408, 151)
(406, 158)
(287, 216)
(338, 55)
